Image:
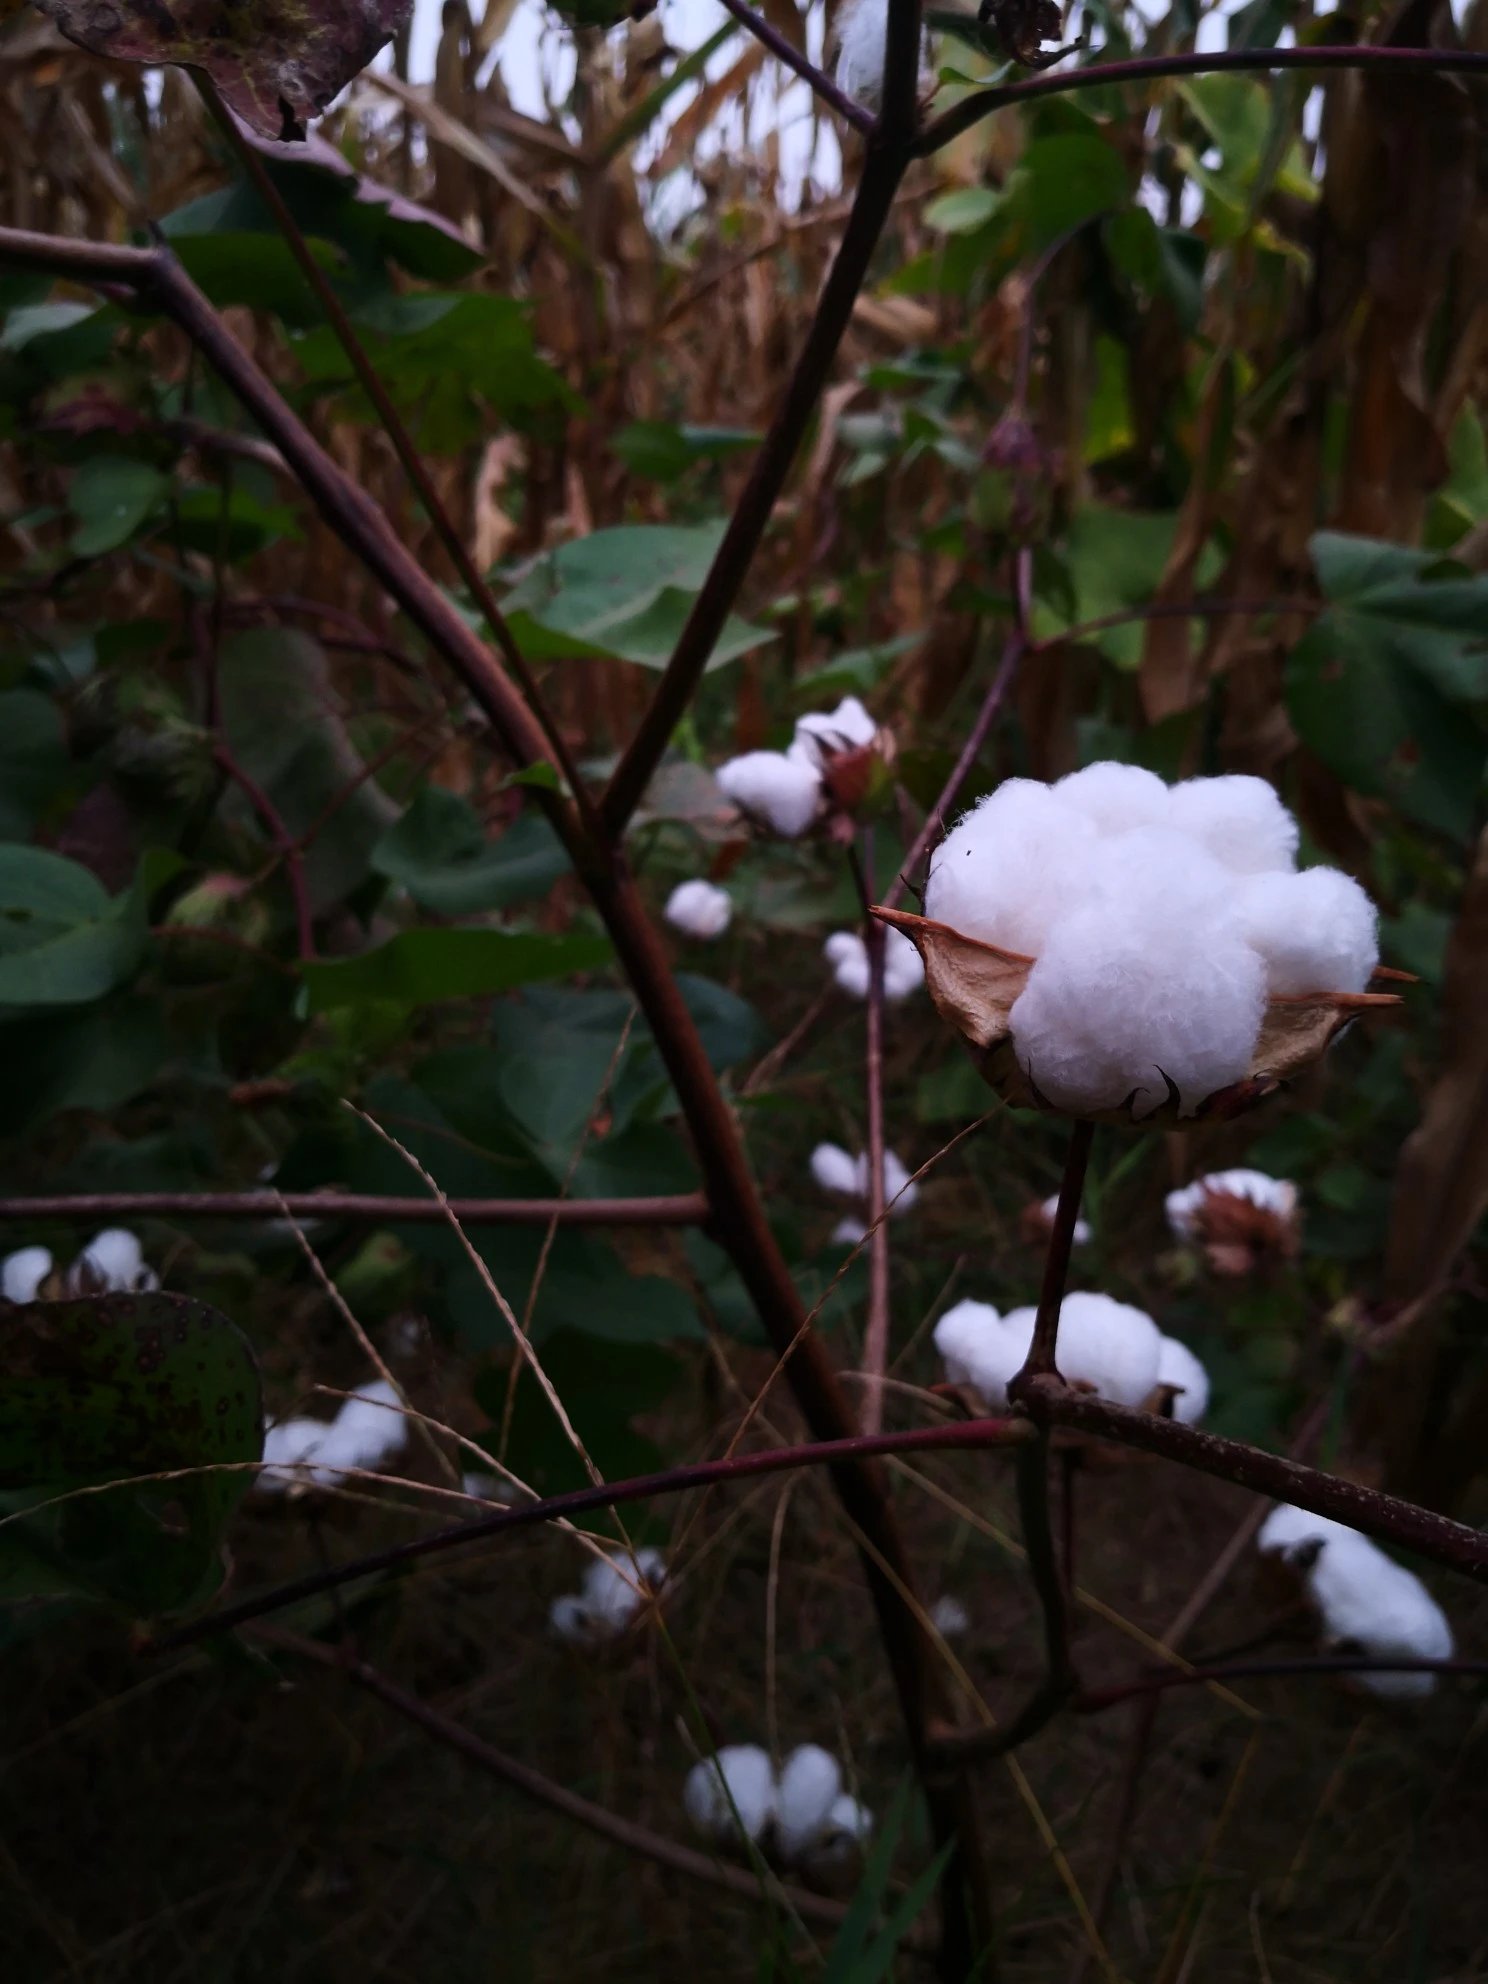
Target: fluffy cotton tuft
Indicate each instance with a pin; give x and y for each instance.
(847, 954)
(1081, 1235)
(368, 1431)
(614, 1589)
(1317, 931)
(862, 30)
(809, 1785)
(1240, 821)
(116, 1258)
(835, 1170)
(962, 1335)
(1178, 1366)
(1105, 1344)
(1363, 1598)
(949, 1617)
(739, 1779)
(1010, 867)
(779, 790)
(1277, 1195)
(699, 909)
(288, 1445)
(822, 733)
(1115, 798)
(1112, 1006)
(23, 1272)
(568, 1618)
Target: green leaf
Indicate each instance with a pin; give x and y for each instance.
(624, 592)
(33, 759)
(1066, 180)
(63, 940)
(964, 209)
(663, 453)
(442, 855)
(1112, 560)
(112, 496)
(420, 967)
(1405, 605)
(105, 1387)
(605, 1387)
(95, 1058)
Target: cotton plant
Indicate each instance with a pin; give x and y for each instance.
(861, 29)
(801, 1814)
(824, 772)
(112, 1263)
(614, 1590)
(700, 910)
(368, 1432)
(1365, 1602)
(1038, 1223)
(837, 1171)
(1241, 1220)
(1117, 949)
(847, 954)
(1106, 1347)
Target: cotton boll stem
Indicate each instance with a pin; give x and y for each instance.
(1041, 1352)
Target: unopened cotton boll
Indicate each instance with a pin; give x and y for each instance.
(1010, 867)
(739, 1779)
(1185, 1207)
(835, 1170)
(822, 733)
(117, 1259)
(1110, 1008)
(809, 1785)
(1239, 820)
(1115, 798)
(1317, 931)
(862, 31)
(1177, 1366)
(775, 788)
(699, 909)
(23, 1272)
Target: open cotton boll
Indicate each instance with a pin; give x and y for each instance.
(23, 1272)
(810, 1783)
(862, 30)
(1111, 1007)
(741, 1773)
(1366, 1599)
(117, 1259)
(835, 1170)
(1115, 798)
(289, 1445)
(699, 909)
(1240, 820)
(614, 1588)
(949, 1617)
(1287, 1528)
(848, 1232)
(1177, 1366)
(1080, 1236)
(847, 954)
(904, 969)
(1155, 876)
(1184, 1207)
(821, 733)
(961, 1334)
(1103, 1343)
(777, 789)
(1317, 931)
(568, 1617)
(1010, 867)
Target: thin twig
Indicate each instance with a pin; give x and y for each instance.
(1145, 68)
(786, 51)
(876, 1326)
(1093, 1701)
(1041, 1361)
(285, 845)
(674, 1209)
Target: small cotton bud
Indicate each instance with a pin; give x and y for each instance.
(1178, 1367)
(739, 1779)
(774, 788)
(810, 1784)
(699, 909)
(22, 1273)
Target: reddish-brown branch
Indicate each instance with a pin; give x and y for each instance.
(285, 845)
(1147, 68)
(1093, 1700)
(676, 1209)
(636, 1839)
(876, 1324)
(786, 51)
(958, 1436)
(1041, 1360)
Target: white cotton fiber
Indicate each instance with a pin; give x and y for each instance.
(849, 1232)
(822, 733)
(1011, 867)
(847, 954)
(1115, 798)
(862, 29)
(568, 1618)
(949, 1617)
(810, 1784)
(778, 790)
(1317, 931)
(835, 1170)
(117, 1259)
(369, 1429)
(1111, 1007)
(1153, 877)
(1105, 1344)
(741, 1773)
(23, 1272)
(614, 1588)
(961, 1335)
(699, 909)
(1277, 1195)
(1049, 1211)
(1177, 1366)
(288, 1446)
(904, 972)
(1363, 1597)
(1240, 820)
